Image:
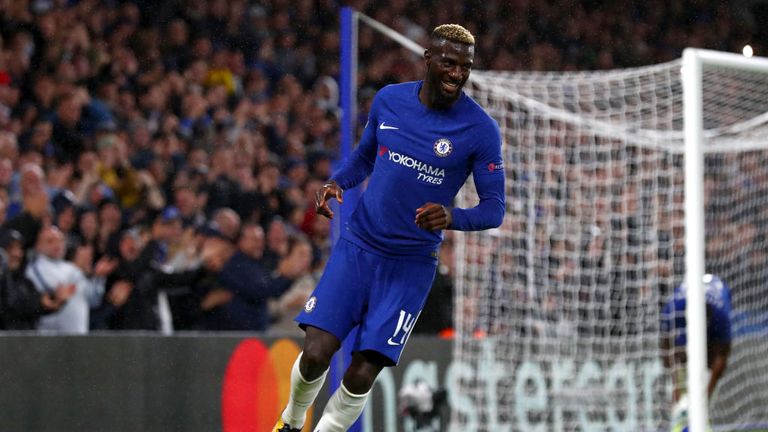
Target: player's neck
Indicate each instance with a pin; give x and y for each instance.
(423, 95)
(430, 99)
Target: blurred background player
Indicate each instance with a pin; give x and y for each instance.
(422, 140)
(674, 338)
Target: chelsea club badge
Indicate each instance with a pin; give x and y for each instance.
(443, 147)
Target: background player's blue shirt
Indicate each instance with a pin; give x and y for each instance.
(416, 155)
(718, 297)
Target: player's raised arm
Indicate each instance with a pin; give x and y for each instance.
(325, 193)
(718, 330)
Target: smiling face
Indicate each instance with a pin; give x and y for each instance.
(448, 67)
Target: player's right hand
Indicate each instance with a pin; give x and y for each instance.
(328, 191)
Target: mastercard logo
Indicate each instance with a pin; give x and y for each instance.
(256, 385)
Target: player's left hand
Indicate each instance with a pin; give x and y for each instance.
(433, 217)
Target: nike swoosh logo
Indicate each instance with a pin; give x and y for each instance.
(384, 126)
(389, 342)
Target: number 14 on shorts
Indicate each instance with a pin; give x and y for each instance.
(404, 326)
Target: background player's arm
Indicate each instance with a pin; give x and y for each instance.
(719, 345)
(668, 360)
(666, 353)
(672, 359)
(718, 362)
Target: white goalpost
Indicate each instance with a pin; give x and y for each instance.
(694, 61)
(621, 185)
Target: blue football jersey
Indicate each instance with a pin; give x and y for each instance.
(416, 155)
(718, 298)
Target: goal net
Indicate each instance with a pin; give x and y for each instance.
(558, 311)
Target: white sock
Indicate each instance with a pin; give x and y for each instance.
(342, 410)
(303, 394)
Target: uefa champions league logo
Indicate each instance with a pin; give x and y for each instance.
(443, 147)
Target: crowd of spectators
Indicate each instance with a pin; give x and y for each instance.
(158, 159)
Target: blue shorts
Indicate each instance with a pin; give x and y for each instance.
(381, 296)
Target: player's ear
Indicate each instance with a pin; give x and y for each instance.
(427, 55)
